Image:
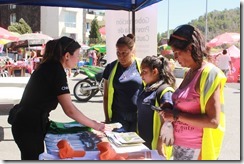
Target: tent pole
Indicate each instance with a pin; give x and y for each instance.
(133, 22)
(133, 2)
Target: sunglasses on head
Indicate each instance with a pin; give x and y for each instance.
(183, 32)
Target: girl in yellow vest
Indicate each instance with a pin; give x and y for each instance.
(198, 117)
(160, 84)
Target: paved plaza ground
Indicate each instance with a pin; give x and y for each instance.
(94, 109)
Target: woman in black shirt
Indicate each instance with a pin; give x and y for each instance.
(46, 88)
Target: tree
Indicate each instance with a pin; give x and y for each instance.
(218, 23)
(20, 27)
(95, 36)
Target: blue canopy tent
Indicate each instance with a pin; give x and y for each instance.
(127, 5)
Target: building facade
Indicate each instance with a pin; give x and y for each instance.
(53, 21)
(13, 13)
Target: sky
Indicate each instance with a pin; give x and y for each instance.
(183, 11)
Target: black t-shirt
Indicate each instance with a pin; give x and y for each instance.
(45, 84)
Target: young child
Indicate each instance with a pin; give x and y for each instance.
(159, 86)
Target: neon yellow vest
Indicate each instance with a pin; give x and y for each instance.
(157, 127)
(111, 88)
(212, 138)
(157, 121)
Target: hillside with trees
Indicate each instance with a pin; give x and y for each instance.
(218, 23)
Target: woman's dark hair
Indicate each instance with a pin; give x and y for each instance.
(186, 35)
(55, 49)
(224, 51)
(128, 41)
(162, 64)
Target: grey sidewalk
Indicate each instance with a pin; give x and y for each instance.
(94, 109)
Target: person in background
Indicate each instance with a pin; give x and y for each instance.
(198, 114)
(155, 72)
(31, 63)
(93, 57)
(37, 59)
(121, 86)
(19, 55)
(46, 88)
(223, 61)
(101, 61)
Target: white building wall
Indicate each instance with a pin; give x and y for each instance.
(53, 22)
(50, 21)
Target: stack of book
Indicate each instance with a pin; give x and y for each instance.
(124, 139)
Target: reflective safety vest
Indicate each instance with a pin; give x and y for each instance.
(111, 87)
(157, 124)
(212, 139)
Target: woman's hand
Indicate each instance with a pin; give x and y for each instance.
(99, 126)
(103, 127)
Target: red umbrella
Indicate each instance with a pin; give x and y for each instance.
(5, 34)
(225, 38)
(102, 30)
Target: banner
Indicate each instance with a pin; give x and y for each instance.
(119, 23)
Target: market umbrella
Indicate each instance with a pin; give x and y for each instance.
(7, 35)
(85, 47)
(5, 41)
(30, 39)
(225, 38)
(99, 47)
(35, 38)
(234, 51)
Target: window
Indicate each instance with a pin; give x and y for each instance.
(12, 6)
(87, 26)
(12, 18)
(70, 19)
(73, 36)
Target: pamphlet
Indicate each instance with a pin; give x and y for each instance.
(124, 139)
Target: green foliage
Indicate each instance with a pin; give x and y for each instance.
(95, 36)
(218, 22)
(20, 27)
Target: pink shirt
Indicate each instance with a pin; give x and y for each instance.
(186, 99)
